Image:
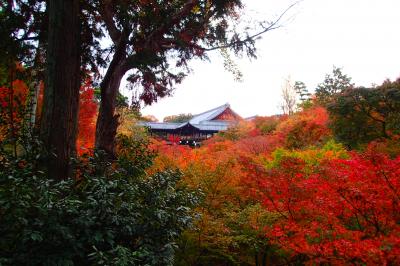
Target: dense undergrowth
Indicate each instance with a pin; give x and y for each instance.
(110, 214)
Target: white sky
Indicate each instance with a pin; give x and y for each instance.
(362, 36)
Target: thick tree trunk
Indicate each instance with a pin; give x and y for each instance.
(61, 97)
(107, 120)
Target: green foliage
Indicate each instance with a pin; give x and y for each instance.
(232, 133)
(302, 91)
(3, 73)
(333, 84)
(133, 153)
(361, 115)
(312, 156)
(178, 118)
(109, 215)
(20, 29)
(237, 131)
(231, 66)
(237, 238)
(156, 47)
(121, 100)
(267, 125)
(128, 126)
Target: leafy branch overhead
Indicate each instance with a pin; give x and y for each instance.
(151, 39)
(153, 42)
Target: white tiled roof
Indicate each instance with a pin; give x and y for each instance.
(208, 115)
(201, 121)
(157, 125)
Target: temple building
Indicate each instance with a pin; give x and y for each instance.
(198, 128)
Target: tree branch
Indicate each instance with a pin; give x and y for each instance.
(274, 25)
(31, 38)
(107, 14)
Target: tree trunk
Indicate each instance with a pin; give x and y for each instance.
(107, 120)
(11, 109)
(33, 104)
(61, 96)
(38, 77)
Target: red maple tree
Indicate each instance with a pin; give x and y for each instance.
(343, 211)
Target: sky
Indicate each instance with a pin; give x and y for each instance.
(360, 36)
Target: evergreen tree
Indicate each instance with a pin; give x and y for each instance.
(334, 83)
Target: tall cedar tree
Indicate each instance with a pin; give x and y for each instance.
(61, 96)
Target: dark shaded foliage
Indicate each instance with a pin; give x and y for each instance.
(361, 115)
(107, 215)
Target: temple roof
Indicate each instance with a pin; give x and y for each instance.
(158, 125)
(209, 115)
(205, 121)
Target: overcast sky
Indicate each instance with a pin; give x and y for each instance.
(362, 36)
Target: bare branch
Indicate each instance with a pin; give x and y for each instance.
(31, 38)
(274, 25)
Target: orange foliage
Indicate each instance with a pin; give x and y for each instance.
(325, 203)
(390, 146)
(266, 125)
(19, 92)
(87, 119)
(306, 128)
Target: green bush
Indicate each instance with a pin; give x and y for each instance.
(106, 216)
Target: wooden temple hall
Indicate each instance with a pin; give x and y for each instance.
(200, 127)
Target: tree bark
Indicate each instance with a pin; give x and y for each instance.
(107, 120)
(38, 75)
(61, 96)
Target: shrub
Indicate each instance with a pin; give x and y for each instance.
(107, 215)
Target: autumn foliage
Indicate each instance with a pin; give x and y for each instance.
(12, 108)
(282, 190)
(15, 104)
(341, 211)
(88, 110)
(305, 128)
